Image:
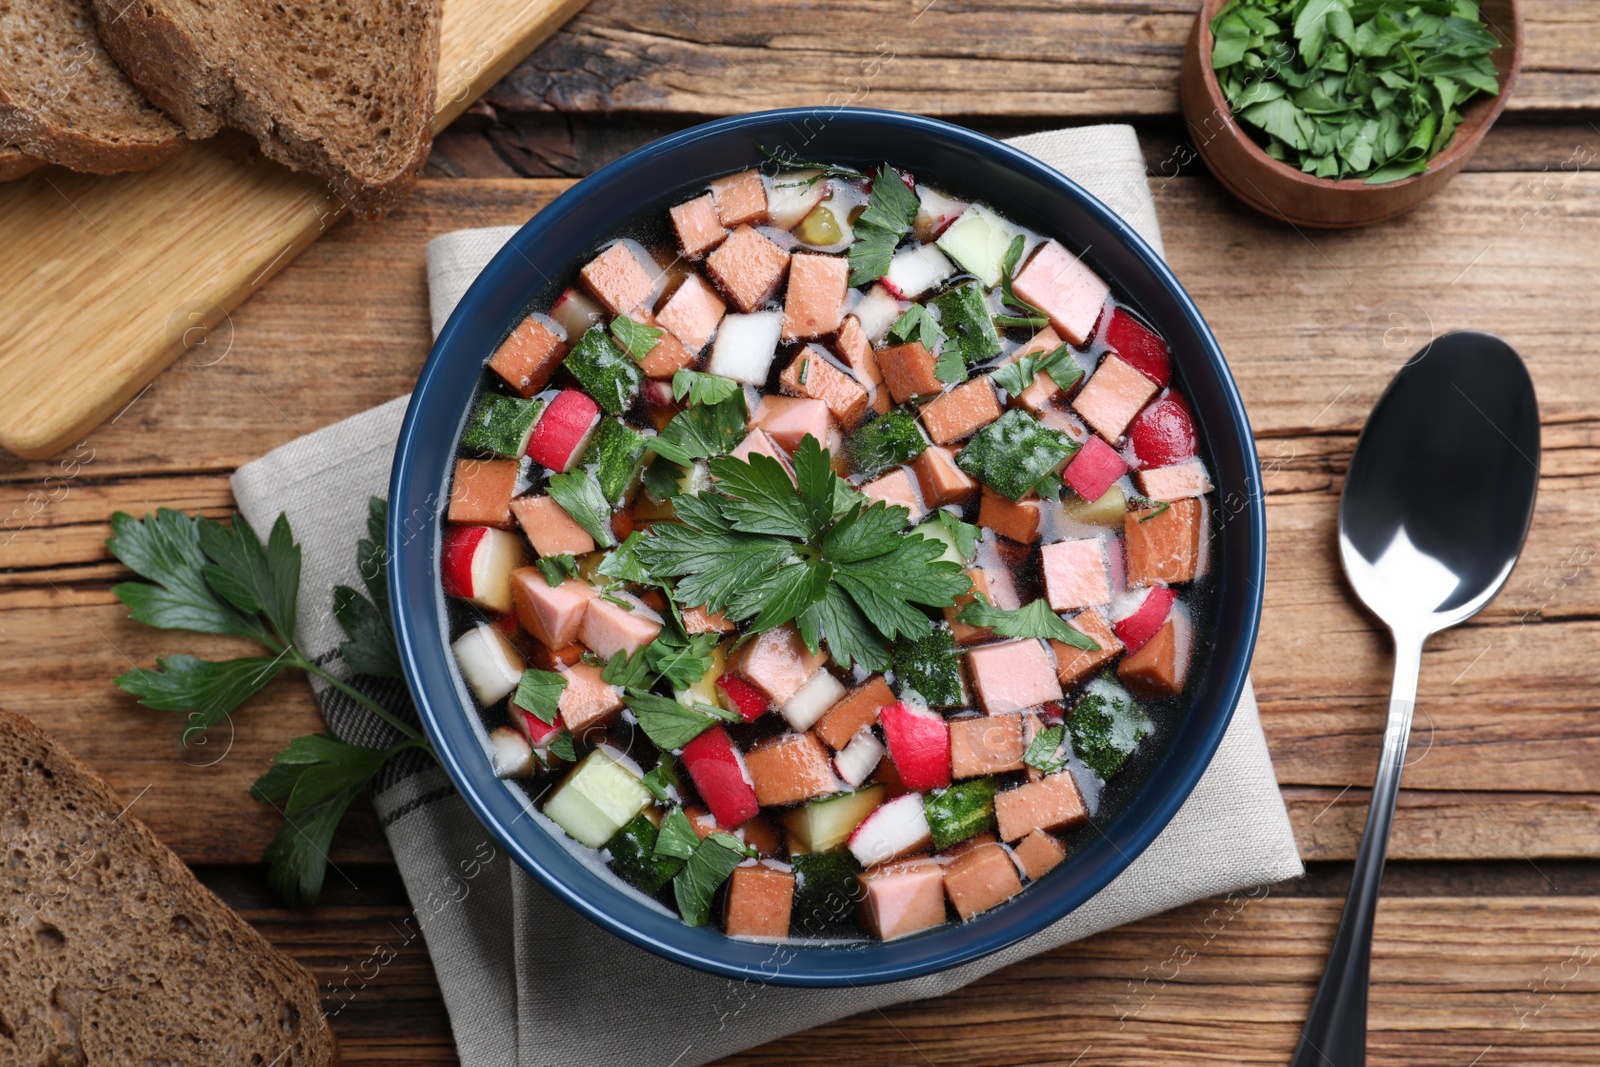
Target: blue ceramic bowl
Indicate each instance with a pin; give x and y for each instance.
(544, 256)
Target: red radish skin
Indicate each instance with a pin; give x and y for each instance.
(562, 429)
(713, 765)
(539, 732)
(1142, 625)
(743, 697)
(506, 624)
(1163, 433)
(1139, 348)
(919, 745)
(1094, 469)
(460, 543)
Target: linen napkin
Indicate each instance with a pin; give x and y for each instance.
(529, 984)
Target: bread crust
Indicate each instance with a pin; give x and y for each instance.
(15, 163)
(197, 91)
(99, 912)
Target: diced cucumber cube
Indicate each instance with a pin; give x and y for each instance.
(887, 441)
(1014, 453)
(501, 424)
(605, 371)
(1107, 511)
(967, 323)
(978, 241)
(826, 889)
(634, 858)
(1106, 726)
(596, 799)
(957, 813)
(826, 824)
(928, 666)
(614, 453)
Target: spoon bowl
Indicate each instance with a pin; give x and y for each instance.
(1435, 510)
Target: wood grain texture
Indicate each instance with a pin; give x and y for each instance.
(118, 276)
(953, 58)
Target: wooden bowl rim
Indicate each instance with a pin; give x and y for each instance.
(1458, 148)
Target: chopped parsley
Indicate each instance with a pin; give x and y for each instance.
(702, 388)
(634, 336)
(1031, 620)
(891, 209)
(557, 569)
(580, 496)
(1041, 754)
(1059, 364)
(539, 694)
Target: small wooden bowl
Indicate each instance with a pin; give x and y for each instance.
(1282, 191)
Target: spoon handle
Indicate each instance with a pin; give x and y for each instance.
(1335, 1033)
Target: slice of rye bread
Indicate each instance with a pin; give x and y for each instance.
(111, 952)
(64, 101)
(14, 163)
(342, 88)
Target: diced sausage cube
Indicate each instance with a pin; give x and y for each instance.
(813, 303)
(858, 710)
(740, 198)
(588, 702)
(1160, 666)
(788, 419)
(941, 481)
(692, 313)
(789, 769)
(777, 662)
(1062, 286)
(1177, 482)
(902, 898)
(853, 348)
(698, 228)
(1013, 676)
(553, 659)
(980, 878)
(1041, 393)
(748, 267)
(908, 371)
(759, 441)
(810, 374)
(528, 357)
(480, 492)
(669, 355)
(759, 901)
(1073, 665)
(700, 621)
(897, 489)
(552, 614)
(988, 744)
(1018, 520)
(1077, 574)
(1163, 546)
(611, 628)
(1052, 803)
(761, 834)
(965, 633)
(961, 848)
(1039, 853)
(550, 528)
(962, 412)
(618, 280)
(1112, 396)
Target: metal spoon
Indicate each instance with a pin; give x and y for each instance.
(1435, 510)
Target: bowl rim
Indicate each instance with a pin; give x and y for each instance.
(418, 607)
(1485, 110)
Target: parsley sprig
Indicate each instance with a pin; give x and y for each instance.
(763, 549)
(1034, 619)
(208, 577)
(1030, 315)
(891, 209)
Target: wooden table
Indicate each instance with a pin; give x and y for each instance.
(1486, 939)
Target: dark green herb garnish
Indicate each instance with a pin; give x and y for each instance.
(557, 569)
(1030, 315)
(1034, 619)
(670, 725)
(1059, 364)
(634, 336)
(539, 693)
(580, 496)
(925, 661)
(887, 441)
(712, 861)
(1041, 754)
(705, 430)
(791, 161)
(702, 388)
(1143, 502)
(677, 837)
(1106, 726)
(891, 209)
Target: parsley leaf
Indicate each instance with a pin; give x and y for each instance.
(580, 496)
(885, 587)
(539, 694)
(166, 549)
(1034, 619)
(1041, 753)
(676, 837)
(371, 648)
(635, 336)
(712, 862)
(1031, 316)
(891, 209)
(1144, 502)
(702, 388)
(917, 324)
(668, 724)
(1059, 364)
(207, 690)
(760, 497)
(851, 638)
(557, 569)
(662, 783)
(703, 431)
(964, 534)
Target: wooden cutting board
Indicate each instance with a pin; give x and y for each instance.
(104, 281)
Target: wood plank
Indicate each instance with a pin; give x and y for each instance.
(1222, 981)
(1091, 58)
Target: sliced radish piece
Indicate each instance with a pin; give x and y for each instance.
(821, 692)
(488, 663)
(476, 564)
(719, 777)
(745, 345)
(878, 311)
(892, 830)
(792, 194)
(538, 732)
(563, 430)
(575, 312)
(1093, 470)
(509, 753)
(1141, 625)
(935, 211)
(1163, 433)
(741, 696)
(919, 745)
(915, 270)
(1139, 347)
(856, 761)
